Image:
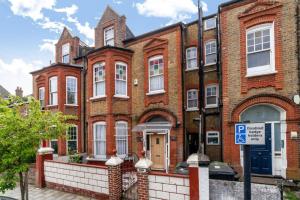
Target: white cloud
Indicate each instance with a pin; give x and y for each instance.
(176, 10)
(53, 26)
(117, 2)
(31, 8)
(16, 73)
(48, 45)
(68, 10)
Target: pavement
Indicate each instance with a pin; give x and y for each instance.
(44, 194)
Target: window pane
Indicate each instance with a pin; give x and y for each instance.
(210, 23)
(259, 59)
(277, 137)
(100, 140)
(211, 100)
(72, 146)
(212, 140)
(212, 58)
(157, 83)
(121, 138)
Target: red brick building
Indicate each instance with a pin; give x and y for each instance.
(260, 82)
(134, 93)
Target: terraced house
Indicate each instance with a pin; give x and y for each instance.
(141, 93)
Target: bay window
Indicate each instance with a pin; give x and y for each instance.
(192, 99)
(122, 138)
(71, 90)
(99, 134)
(211, 94)
(72, 139)
(191, 58)
(156, 74)
(121, 79)
(99, 80)
(109, 36)
(65, 53)
(53, 90)
(260, 50)
(210, 52)
(42, 96)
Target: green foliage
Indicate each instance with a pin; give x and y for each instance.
(23, 125)
(289, 195)
(74, 157)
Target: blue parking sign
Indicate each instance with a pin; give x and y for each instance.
(240, 134)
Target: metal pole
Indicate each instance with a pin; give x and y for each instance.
(247, 172)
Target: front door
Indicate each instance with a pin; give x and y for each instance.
(158, 151)
(261, 155)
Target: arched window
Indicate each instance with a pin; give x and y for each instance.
(156, 74)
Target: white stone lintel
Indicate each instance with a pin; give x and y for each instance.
(45, 150)
(143, 163)
(114, 161)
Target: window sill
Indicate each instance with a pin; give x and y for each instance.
(209, 64)
(96, 159)
(51, 106)
(211, 106)
(156, 92)
(121, 96)
(212, 144)
(71, 105)
(192, 69)
(192, 109)
(208, 29)
(265, 73)
(97, 98)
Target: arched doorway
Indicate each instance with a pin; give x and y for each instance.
(268, 159)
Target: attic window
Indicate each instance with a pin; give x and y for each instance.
(109, 36)
(66, 53)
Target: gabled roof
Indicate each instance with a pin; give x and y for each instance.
(3, 92)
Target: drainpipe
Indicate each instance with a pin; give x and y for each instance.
(219, 75)
(183, 30)
(85, 64)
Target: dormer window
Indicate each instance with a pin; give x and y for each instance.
(109, 36)
(66, 53)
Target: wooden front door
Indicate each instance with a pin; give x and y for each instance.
(158, 151)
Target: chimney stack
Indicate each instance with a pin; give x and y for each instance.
(19, 92)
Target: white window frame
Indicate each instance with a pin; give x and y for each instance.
(266, 69)
(108, 39)
(42, 90)
(207, 136)
(63, 54)
(67, 140)
(52, 92)
(209, 28)
(102, 123)
(187, 59)
(76, 90)
(126, 82)
(217, 96)
(160, 91)
(209, 43)
(187, 100)
(94, 82)
(117, 139)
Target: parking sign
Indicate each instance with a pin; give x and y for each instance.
(250, 134)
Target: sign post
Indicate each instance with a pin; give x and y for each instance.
(247, 134)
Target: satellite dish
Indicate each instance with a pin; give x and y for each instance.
(297, 99)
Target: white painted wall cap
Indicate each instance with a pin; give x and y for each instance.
(114, 161)
(45, 150)
(143, 163)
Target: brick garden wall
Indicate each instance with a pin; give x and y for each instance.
(77, 178)
(168, 187)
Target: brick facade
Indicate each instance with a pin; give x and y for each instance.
(236, 91)
(241, 92)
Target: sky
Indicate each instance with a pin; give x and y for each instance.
(30, 28)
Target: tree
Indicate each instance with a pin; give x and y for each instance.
(23, 125)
